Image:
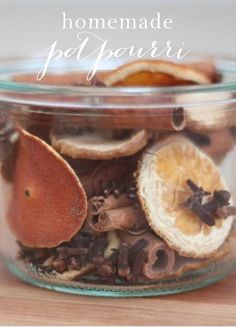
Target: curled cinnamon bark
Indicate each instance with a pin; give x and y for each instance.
(158, 260)
(124, 218)
(99, 204)
(159, 119)
(106, 178)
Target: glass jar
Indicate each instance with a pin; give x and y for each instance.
(116, 191)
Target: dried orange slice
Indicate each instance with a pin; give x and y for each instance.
(48, 203)
(163, 190)
(156, 73)
(205, 114)
(208, 68)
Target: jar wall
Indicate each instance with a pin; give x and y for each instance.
(117, 202)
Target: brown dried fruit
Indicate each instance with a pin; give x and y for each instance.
(96, 145)
(163, 191)
(48, 203)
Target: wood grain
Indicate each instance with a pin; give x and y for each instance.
(23, 304)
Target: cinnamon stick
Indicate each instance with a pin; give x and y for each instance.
(124, 218)
(116, 170)
(99, 204)
(163, 119)
(159, 258)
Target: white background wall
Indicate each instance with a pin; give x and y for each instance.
(205, 25)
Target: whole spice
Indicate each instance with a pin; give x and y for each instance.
(108, 178)
(99, 204)
(60, 265)
(137, 266)
(106, 269)
(148, 256)
(123, 261)
(74, 263)
(207, 212)
(124, 218)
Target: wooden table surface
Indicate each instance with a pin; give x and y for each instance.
(23, 304)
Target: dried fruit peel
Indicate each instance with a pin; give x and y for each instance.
(162, 190)
(96, 146)
(155, 73)
(48, 203)
(165, 73)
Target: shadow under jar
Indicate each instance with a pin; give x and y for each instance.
(117, 190)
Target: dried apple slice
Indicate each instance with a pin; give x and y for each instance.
(165, 193)
(48, 203)
(96, 145)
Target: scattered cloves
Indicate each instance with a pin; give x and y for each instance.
(210, 210)
(123, 258)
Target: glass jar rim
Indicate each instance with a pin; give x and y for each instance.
(67, 96)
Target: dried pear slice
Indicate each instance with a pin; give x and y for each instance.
(48, 203)
(163, 190)
(96, 145)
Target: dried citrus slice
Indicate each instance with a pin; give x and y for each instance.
(96, 145)
(156, 73)
(208, 68)
(48, 203)
(160, 73)
(163, 191)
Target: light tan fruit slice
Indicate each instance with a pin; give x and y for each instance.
(48, 203)
(163, 190)
(96, 145)
(207, 67)
(156, 73)
(207, 111)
